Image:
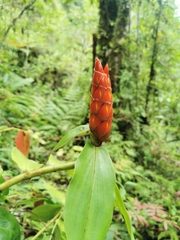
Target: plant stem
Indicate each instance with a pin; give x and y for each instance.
(46, 226)
(35, 173)
(10, 128)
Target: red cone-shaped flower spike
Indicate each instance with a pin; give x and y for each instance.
(101, 111)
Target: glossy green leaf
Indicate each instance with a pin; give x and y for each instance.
(23, 162)
(9, 226)
(124, 212)
(78, 131)
(90, 196)
(45, 212)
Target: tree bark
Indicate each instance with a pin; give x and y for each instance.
(151, 88)
(113, 22)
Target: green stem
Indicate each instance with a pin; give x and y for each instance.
(10, 128)
(46, 226)
(35, 173)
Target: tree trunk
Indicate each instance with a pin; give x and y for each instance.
(113, 22)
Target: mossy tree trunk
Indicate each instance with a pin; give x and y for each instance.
(113, 25)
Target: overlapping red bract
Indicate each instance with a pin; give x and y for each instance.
(101, 111)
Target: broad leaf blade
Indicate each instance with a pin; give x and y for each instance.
(123, 211)
(23, 162)
(45, 212)
(90, 196)
(80, 130)
(9, 226)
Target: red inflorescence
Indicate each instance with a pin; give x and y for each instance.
(101, 110)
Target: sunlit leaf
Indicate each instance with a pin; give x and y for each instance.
(53, 161)
(23, 162)
(21, 82)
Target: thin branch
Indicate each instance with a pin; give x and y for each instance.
(38, 172)
(9, 129)
(15, 20)
(46, 226)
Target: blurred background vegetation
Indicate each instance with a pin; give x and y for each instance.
(47, 50)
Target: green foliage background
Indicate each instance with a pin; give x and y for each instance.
(45, 74)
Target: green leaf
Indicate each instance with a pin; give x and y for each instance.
(59, 232)
(9, 226)
(90, 196)
(45, 212)
(23, 162)
(54, 161)
(124, 212)
(78, 131)
(56, 195)
(18, 81)
(21, 82)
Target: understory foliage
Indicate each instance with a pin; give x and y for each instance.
(45, 73)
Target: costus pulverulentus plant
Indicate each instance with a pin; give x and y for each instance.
(101, 109)
(92, 193)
